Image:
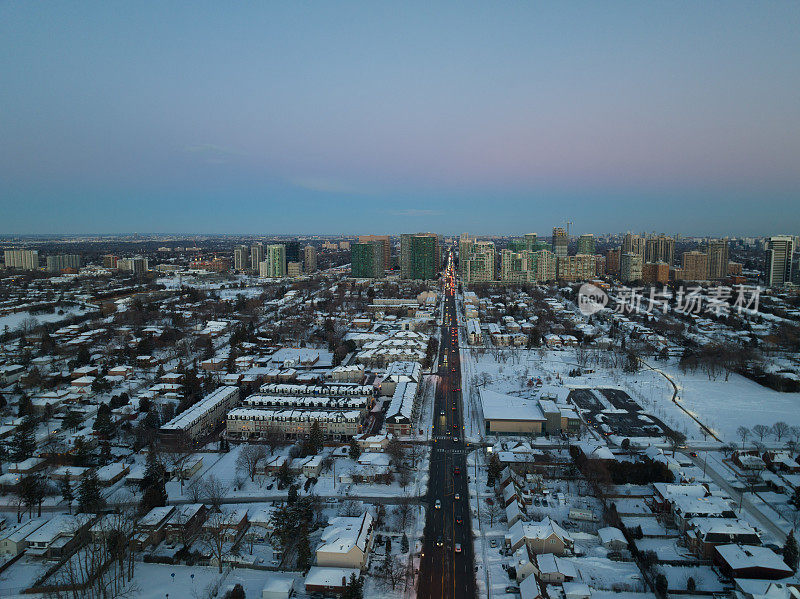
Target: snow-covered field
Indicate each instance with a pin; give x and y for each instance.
(724, 405)
(14, 321)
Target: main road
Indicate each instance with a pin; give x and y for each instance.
(447, 567)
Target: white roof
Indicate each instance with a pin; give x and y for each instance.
(498, 406)
(343, 533)
(609, 534)
(318, 576)
(752, 556)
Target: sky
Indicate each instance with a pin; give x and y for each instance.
(385, 117)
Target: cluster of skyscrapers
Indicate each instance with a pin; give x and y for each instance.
(275, 260)
(420, 256)
(29, 260)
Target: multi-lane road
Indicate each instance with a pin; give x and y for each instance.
(447, 567)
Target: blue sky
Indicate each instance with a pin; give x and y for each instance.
(358, 117)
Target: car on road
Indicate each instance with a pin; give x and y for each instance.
(493, 544)
(441, 413)
(455, 425)
(438, 504)
(455, 439)
(458, 547)
(510, 589)
(457, 496)
(439, 541)
(456, 470)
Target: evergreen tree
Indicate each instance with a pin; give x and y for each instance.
(89, 498)
(316, 438)
(292, 495)
(355, 450)
(154, 492)
(303, 550)
(662, 585)
(790, 551)
(24, 441)
(494, 469)
(103, 425)
(72, 421)
(66, 493)
(24, 407)
(354, 588)
(404, 543)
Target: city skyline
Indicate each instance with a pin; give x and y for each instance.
(335, 119)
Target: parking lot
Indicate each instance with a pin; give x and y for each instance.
(626, 419)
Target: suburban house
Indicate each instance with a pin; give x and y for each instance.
(540, 537)
(346, 542)
(750, 561)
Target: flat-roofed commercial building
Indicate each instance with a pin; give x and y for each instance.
(509, 415)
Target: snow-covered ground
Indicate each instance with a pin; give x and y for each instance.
(15, 320)
(724, 405)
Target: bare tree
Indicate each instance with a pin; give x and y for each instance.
(743, 433)
(177, 459)
(760, 431)
(351, 508)
(494, 509)
(780, 429)
(248, 459)
(403, 511)
(392, 572)
(213, 490)
(215, 534)
(273, 437)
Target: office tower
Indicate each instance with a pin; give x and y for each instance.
(292, 251)
(479, 265)
(531, 242)
(630, 267)
(546, 263)
(420, 256)
(310, 258)
(240, 256)
(718, 259)
(344, 245)
(386, 247)
(274, 264)
(256, 257)
(655, 273)
(778, 260)
(695, 266)
(612, 261)
(63, 261)
(294, 269)
(633, 244)
(660, 249)
(136, 265)
(366, 260)
(559, 242)
(586, 244)
(580, 267)
(22, 259)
